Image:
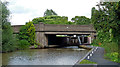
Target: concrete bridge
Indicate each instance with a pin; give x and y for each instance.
(46, 33)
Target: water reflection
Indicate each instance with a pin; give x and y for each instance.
(51, 56)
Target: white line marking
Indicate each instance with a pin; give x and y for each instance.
(88, 57)
(90, 54)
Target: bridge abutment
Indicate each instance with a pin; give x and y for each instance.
(41, 38)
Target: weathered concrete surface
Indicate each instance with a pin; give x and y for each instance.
(42, 30)
(58, 28)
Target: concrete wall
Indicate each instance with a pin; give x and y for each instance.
(16, 28)
(56, 27)
(41, 38)
(42, 30)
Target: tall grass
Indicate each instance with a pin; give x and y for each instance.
(110, 47)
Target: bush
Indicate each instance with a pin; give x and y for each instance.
(9, 43)
(36, 46)
(111, 50)
(24, 44)
(110, 47)
(27, 32)
(113, 56)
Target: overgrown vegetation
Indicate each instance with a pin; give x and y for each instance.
(24, 44)
(81, 20)
(51, 17)
(27, 35)
(106, 21)
(113, 56)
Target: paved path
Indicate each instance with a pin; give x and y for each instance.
(98, 57)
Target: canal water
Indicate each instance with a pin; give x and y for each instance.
(49, 56)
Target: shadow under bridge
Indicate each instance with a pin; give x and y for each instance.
(68, 40)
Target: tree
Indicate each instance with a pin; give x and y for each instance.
(52, 20)
(106, 20)
(27, 33)
(8, 39)
(31, 32)
(37, 20)
(23, 33)
(49, 12)
(80, 20)
(50, 17)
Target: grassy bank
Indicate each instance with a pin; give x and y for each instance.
(111, 51)
(87, 62)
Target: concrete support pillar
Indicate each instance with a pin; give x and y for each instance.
(83, 39)
(89, 40)
(41, 38)
(92, 36)
(45, 40)
(68, 40)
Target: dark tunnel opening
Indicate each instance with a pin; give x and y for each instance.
(68, 40)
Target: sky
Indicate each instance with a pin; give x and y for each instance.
(22, 11)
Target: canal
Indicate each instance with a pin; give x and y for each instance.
(49, 56)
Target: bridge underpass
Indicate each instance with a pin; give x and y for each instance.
(68, 40)
(76, 34)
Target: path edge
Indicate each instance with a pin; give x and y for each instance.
(78, 62)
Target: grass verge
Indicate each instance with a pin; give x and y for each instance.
(87, 62)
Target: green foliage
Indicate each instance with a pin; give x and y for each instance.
(5, 12)
(113, 56)
(52, 20)
(87, 62)
(24, 44)
(23, 33)
(111, 50)
(30, 32)
(50, 17)
(110, 47)
(37, 20)
(49, 12)
(80, 20)
(9, 45)
(35, 46)
(27, 32)
(9, 41)
(96, 42)
(106, 21)
(104, 36)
